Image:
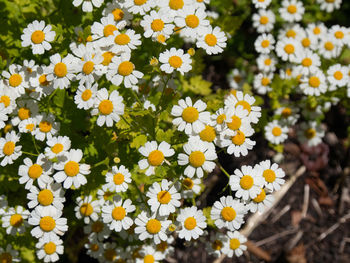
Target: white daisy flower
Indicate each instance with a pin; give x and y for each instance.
(88, 5)
(14, 220)
(272, 174)
(237, 142)
(309, 42)
(172, 7)
(49, 250)
(118, 179)
(3, 115)
(40, 83)
(315, 84)
(8, 148)
(118, 11)
(235, 79)
(104, 28)
(236, 118)
(192, 222)
(151, 227)
(216, 244)
(228, 213)
(247, 182)
(266, 63)
(329, 5)
(235, 244)
(261, 3)
(288, 49)
(123, 42)
(310, 133)
(190, 117)
(26, 108)
(109, 254)
(15, 79)
(308, 62)
(49, 194)
(9, 254)
(8, 97)
(190, 187)
(139, 6)
(155, 155)
(115, 215)
(275, 132)
(164, 198)
(47, 223)
(262, 82)
(207, 134)
(288, 115)
(157, 23)
(264, 44)
(57, 146)
(98, 229)
(260, 202)
(94, 247)
(337, 76)
(70, 171)
(47, 127)
(89, 68)
(328, 48)
(192, 21)
(87, 209)
(291, 10)
(86, 95)
(175, 60)
(104, 194)
(213, 41)
(108, 107)
(150, 254)
(316, 30)
(199, 156)
(263, 21)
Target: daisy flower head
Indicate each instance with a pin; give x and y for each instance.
(236, 79)
(25, 109)
(262, 82)
(118, 179)
(192, 21)
(329, 5)
(216, 244)
(272, 174)
(275, 132)
(337, 76)
(247, 182)
(94, 247)
(104, 28)
(316, 30)
(38, 36)
(61, 70)
(139, 6)
(47, 222)
(190, 187)
(189, 117)
(328, 47)
(15, 79)
(308, 62)
(123, 42)
(175, 60)
(150, 254)
(235, 244)
(89, 69)
(108, 107)
(3, 115)
(155, 155)
(9, 254)
(310, 133)
(57, 146)
(9, 151)
(228, 213)
(14, 220)
(213, 41)
(315, 84)
(291, 10)
(264, 44)
(198, 157)
(151, 227)
(109, 254)
(163, 197)
(87, 5)
(261, 3)
(85, 96)
(263, 21)
(70, 171)
(157, 23)
(259, 203)
(236, 118)
(288, 49)
(87, 209)
(47, 127)
(207, 134)
(192, 222)
(8, 97)
(172, 7)
(50, 249)
(116, 214)
(97, 229)
(118, 11)
(266, 63)
(122, 70)
(309, 42)
(50, 194)
(288, 115)
(40, 83)
(219, 117)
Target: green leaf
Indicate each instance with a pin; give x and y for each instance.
(197, 85)
(138, 141)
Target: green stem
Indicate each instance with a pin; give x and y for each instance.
(125, 120)
(35, 146)
(141, 195)
(32, 154)
(105, 162)
(136, 97)
(223, 170)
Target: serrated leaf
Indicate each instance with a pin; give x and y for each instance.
(138, 141)
(197, 85)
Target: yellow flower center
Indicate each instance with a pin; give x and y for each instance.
(328, 46)
(239, 138)
(94, 247)
(276, 131)
(71, 168)
(162, 246)
(6, 100)
(157, 25)
(267, 62)
(292, 9)
(264, 20)
(15, 80)
(314, 82)
(197, 159)
(190, 223)
(60, 70)
(235, 123)
(47, 223)
(164, 197)
(38, 37)
(175, 61)
(265, 81)
(208, 134)
(306, 42)
(148, 259)
(8, 148)
(289, 49)
(188, 183)
(211, 40)
(260, 197)
(288, 71)
(107, 58)
(310, 133)
(86, 95)
(24, 113)
(306, 62)
(30, 127)
(244, 104)
(50, 248)
(105, 107)
(155, 158)
(190, 114)
(57, 148)
(234, 243)
(153, 226)
(118, 14)
(86, 209)
(16, 220)
(118, 213)
(246, 182)
(110, 254)
(228, 213)
(176, 4)
(291, 33)
(43, 81)
(5, 257)
(269, 175)
(338, 75)
(108, 30)
(122, 39)
(88, 67)
(118, 178)
(316, 30)
(192, 21)
(125, 68)
(139, 2)
(161, 38)
(35, 171)
(45, 126)
(339, 34)
(216, 245)
(45, 197)
(221, 118)
(286, 112)
(265, 43)
(97, 227)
